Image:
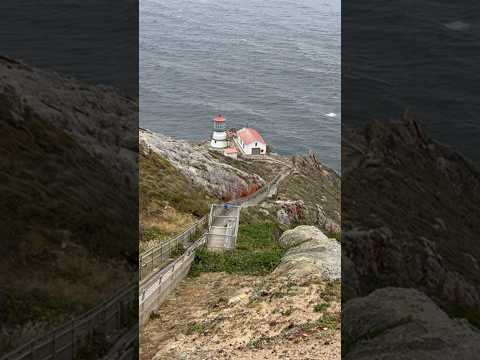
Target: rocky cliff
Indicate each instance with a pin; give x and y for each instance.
(410, 219)
(399, 323)
(180, 178)
(199, 164)
(66, 150)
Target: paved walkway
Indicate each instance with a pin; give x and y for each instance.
(220, 228)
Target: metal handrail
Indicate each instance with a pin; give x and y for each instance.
(158, 255)
(63, 342)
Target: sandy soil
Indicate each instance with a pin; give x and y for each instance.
(222, 316)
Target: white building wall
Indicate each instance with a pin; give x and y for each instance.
(219, 140)
(248, 148)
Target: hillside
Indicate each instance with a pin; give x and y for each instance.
(64, 154)
(169, 201)
(310, 193)
(277, 295)
(412, 219)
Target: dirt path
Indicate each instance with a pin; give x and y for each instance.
(221, 316)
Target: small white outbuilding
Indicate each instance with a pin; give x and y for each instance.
(231, 152)
(251, 142)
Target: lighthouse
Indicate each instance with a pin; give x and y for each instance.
(219, 135)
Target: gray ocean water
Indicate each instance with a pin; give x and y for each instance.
(421, 55)
(272, 64)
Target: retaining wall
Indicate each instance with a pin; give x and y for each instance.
(155, 289)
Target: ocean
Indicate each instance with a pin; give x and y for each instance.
(421, 55)
(269, 64)
(274, 65)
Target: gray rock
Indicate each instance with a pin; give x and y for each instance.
(198, 164)
(301, 234)
(380, 259)
(311, 253)
(401, 324)
(102, 121)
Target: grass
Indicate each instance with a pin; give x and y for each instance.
(162, 184)
(169, 201)
(314, 187)
(256, 253)
(63, 249)
(196, 328)
(320, 307)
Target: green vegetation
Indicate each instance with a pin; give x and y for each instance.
(63, 249)
(169, 201)
(314, 189)
(256, 253)
(53, 187)
(162, 184)
(332, 291)
(196, 327)
(320, 307)
(154, 233)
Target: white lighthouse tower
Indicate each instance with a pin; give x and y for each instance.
(219, 135)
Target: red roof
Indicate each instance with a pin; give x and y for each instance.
(230, 150)
(219, 118)
(249, 135)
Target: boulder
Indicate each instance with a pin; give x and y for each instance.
(398, 323)
(301, 234)
(310, 253)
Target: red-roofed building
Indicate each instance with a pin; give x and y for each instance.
(231, 152)
(251, 142)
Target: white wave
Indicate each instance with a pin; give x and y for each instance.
(331, 114)
(458, 25)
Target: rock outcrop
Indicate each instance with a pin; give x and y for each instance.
(100, 120)
(68, 179)
(410, 216)
(398, 324)
(310, 254)
(310, 195)
(198, 164)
